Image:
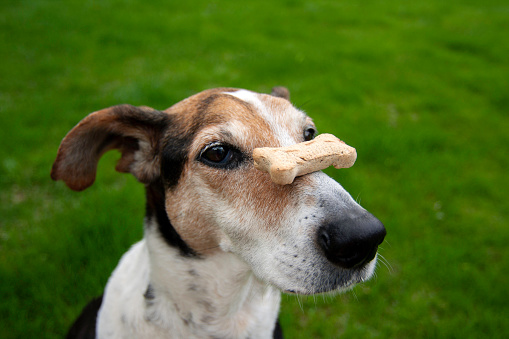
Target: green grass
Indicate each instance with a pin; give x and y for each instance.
(419, 88)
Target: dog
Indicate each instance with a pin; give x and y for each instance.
(221, 240)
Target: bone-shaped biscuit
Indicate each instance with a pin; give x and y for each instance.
(285, 163)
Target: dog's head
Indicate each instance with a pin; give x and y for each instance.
(205, 194)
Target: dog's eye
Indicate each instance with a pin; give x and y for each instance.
(222, 156)
(309, 133)
(217, 154)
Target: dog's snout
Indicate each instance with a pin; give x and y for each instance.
(351, 242)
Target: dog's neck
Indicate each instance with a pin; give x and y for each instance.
(214, 294)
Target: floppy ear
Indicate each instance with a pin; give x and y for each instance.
(135, 131)
(281, 92)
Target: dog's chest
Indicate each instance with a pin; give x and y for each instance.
(185, 299)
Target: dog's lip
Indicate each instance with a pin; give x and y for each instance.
(339, 288)
(307, 293)
(336, 290)
(295, 292)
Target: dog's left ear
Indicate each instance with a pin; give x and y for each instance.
(281, 92)
(134, 131)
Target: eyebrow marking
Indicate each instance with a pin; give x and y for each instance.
(281, 133)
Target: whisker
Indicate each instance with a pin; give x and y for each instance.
(355, 295)
(386, 263)
(304, 103)
(300, 303)
(388, 243)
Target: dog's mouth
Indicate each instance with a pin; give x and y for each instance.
(328, 279)
(324, 290)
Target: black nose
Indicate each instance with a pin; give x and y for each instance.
(353, 241)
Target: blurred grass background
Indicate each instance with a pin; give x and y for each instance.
(419, 88)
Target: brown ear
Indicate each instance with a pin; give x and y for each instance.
(281, 92)
(134, 131)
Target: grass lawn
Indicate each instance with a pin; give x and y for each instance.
(421, 89)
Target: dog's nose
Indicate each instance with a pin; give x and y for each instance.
(353, 241)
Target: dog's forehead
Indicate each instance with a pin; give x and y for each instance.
(264, 113)
(283, 119)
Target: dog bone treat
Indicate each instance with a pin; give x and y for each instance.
(285, 163)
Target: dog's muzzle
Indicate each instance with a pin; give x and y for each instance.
(349, 236)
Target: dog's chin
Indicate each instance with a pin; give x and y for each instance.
(323, 289)
(334, 282)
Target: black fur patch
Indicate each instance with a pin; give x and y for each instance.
(278, 331)
(149, 294)
(155, 209)
(173, 158)
(84, 326)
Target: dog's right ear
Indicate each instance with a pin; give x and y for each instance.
(281, 92)
(135, 131)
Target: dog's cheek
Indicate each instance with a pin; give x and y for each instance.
(189, 214)
(254, 195)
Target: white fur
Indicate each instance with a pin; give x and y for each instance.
(217, 296)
